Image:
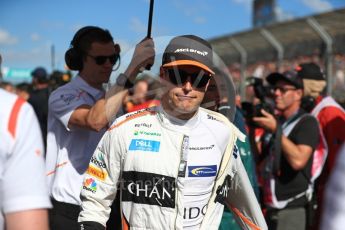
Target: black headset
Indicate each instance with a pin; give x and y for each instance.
(308, 103)
(74, 55)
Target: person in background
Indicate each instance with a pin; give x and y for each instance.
(79, 113)
(334, 197)
(143, 95)
(24, 198)
(39, 98)
(288, 165)
(9, 87)
(23, 91)
(331, 117)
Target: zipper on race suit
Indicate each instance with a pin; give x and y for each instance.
(183, 157)
(181, 172)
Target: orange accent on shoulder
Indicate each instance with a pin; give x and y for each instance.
(245, 219)
(56, 167)
(131, 118)
(12, 124)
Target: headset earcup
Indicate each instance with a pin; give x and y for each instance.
(117, 48)
(73, 59)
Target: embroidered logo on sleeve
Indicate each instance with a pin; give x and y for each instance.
(223, 190)
(69, 97)
(90, 185)
(97, 173)
(235, 151)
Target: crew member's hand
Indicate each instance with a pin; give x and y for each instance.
(144, 55)
(267, 122)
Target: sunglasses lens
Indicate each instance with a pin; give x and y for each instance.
(177, 78)
(100, 60)
(180, 77)
(203, 81)
(173, 79)
(282, 89)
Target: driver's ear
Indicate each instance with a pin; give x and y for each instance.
(161, 72)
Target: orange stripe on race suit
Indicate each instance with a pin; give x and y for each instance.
(245, 219)
(12, 124)
(125, 224)
(131, 118)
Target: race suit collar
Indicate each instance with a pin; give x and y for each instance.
(178, 123)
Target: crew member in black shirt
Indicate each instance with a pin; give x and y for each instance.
(39, 98)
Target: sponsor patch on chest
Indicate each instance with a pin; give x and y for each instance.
(148, 188)
(144, 145)
(202, 171)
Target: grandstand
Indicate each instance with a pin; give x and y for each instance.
(277, 47)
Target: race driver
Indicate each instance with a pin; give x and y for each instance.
(177, 165)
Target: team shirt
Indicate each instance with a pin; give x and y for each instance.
(22, 180)
(69, 150)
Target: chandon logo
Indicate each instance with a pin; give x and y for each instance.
(149, 188)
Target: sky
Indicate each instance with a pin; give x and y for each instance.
(29, 28)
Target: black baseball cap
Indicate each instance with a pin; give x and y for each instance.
(310, 71)
(289, 76)
(189, 50)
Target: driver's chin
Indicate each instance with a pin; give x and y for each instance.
(184, 108)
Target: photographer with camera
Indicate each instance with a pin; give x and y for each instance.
(260, 97)
(287, 168)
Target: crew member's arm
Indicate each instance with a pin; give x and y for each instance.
(297, 154)
(35, 219)
(101, 113)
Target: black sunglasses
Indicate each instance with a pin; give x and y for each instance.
(197, 79)
(100, 60)
(283, 89)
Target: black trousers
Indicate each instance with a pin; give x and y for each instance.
(64, 216)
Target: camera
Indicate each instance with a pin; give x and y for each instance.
(264, 94)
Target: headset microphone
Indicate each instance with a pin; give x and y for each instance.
(118, 63)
